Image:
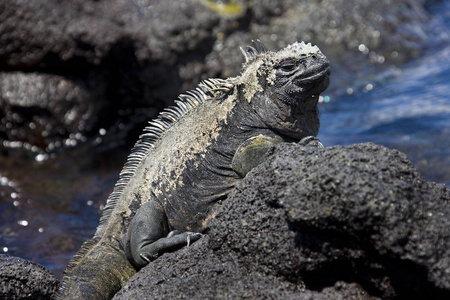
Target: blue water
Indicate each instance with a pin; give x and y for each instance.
(49, 208)
(407, 108)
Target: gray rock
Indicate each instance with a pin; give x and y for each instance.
(336, 223)
(115, 60)
(23, 279)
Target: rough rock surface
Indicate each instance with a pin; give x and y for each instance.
(23, 279)
(128, 57)
(353, 222)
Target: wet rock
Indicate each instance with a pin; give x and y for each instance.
(23, 279)
(337, 223)
(128, 57)
(38, 111)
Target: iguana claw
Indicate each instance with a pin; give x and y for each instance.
(172, 242)
(148, 260)
(311, 141)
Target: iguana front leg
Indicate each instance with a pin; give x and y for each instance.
(252, 151)
(149, 236)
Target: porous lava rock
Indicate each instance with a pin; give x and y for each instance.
(24, 279)
(345, 222)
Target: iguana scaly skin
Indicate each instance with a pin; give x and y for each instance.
(191, 156)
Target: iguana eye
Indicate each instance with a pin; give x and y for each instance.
(287, 66)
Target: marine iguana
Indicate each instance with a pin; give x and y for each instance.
(191, 156)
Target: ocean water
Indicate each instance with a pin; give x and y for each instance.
(48, 208)
(407, 108)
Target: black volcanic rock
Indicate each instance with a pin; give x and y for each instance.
(337, 223)
(23, 279)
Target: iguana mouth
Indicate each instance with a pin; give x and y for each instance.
(322, 73)
(314, 81)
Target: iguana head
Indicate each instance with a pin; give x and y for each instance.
(283, 87)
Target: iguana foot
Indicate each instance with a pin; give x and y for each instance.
(310, 141)
(148, 235)
(172, 242)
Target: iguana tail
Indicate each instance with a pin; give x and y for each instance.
(98, 271)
